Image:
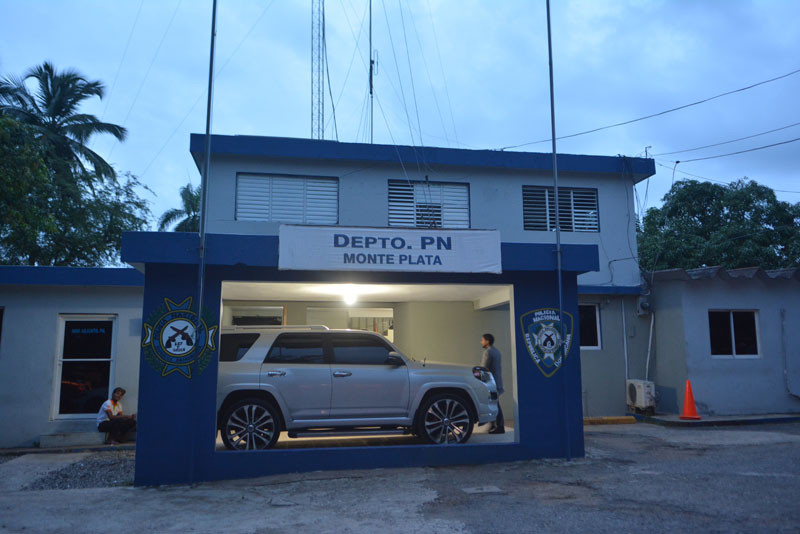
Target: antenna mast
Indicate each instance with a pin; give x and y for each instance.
(371, 71)
(317, 76)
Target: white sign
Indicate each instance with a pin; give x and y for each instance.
(339, 248)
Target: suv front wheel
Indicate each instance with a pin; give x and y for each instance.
(444, 419)
(250, 424)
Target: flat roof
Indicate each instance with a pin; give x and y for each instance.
(315, 149)
(70, 276)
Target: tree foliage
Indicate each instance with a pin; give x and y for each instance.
(188, 215)
(60, 202)
(739, 225)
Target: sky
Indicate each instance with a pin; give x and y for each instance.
(450, 73)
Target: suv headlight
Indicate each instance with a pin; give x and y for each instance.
(481, 373)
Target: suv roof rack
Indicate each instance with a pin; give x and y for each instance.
(277, 327)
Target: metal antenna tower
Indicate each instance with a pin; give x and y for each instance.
(317, 70)
(371, 73)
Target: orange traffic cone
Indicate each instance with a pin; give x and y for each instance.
(689, 409)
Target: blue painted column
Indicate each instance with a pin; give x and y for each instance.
(550, 422)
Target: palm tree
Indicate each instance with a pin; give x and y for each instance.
(52, 110)
(190, 213)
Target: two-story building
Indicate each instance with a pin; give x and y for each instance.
(430, 247)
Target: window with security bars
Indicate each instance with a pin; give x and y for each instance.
(428, 204)
(577, 209)
(288, 199)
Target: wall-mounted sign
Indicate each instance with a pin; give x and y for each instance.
(339, 248)
(542, 330)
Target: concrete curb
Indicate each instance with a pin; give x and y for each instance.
(616, 420)
(739, 421)
(59, 450)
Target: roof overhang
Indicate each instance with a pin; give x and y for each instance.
(313, 149)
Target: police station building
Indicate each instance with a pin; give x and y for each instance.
(428, 247)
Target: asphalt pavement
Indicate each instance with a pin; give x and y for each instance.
(643, 477)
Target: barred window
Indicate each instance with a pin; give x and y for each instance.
(289, 199)
(428, 204)
(577, 209)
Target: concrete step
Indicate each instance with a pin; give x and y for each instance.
(71, 439)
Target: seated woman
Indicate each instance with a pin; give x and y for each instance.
(110, 418)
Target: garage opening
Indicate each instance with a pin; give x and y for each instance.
(337, 365)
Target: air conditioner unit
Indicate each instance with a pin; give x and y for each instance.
(641, 394)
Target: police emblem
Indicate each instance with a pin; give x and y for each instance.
(542, 330)
(175, 341)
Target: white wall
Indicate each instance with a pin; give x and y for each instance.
(495, 197)
(29, 351)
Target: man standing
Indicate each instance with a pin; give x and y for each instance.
(491, 361)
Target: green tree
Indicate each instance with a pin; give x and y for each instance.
(24, 192)
(188, 216)
(63, 203)
(739, 225)
(53, 111)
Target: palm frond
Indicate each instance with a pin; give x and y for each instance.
(168, 218)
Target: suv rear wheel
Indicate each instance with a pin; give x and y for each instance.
(445, 418)
(250, 424)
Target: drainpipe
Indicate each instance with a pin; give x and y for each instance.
(625, 340)
(649, 345)
(784, 357)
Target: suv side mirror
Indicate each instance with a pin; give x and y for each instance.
(394, 359)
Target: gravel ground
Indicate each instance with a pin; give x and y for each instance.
(6, 457)
(100, 470)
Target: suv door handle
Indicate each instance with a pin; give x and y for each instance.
(341, 374)
(276, 373)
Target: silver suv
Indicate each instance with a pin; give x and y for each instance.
(312, 381)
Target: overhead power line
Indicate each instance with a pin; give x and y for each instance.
(728, 142)
(743, 151)
(723, 182)
(122, 59)
(671, 110)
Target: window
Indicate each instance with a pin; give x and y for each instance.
(428, 204)
(233, 347)
(289, 199)
(589, 319)
(577, 209)
(359, 350)
(296, 348)
(733, 333)
(85, 364)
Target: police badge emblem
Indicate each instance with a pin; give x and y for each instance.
(175, 341)
(542, 329)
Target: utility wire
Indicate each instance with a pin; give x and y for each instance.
(122, 59)
(742, 151)
(150, 66)
(659, 113)
(397, 68)
(720, 181)
(200, 97)
(410, 72)
(441, 69)
(328, 75)
(728, 142)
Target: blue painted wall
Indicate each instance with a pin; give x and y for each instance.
(177, 430)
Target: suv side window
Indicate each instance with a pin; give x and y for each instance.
(359, 350)
(296, 348)
(233, 347)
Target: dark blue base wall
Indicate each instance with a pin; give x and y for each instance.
(177, 419)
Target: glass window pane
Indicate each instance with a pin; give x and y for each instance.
(744, 332)
(297, 348)
(587, 316)
(87, 339)
(84, 387)
(719, 327)
(233, 347)
(359, 350)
